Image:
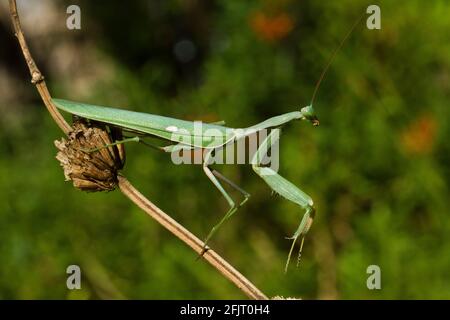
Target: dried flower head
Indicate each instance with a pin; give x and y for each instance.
(90, 170)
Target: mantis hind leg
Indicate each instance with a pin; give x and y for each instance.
(286, 189)
(213, 175)
(115, 143)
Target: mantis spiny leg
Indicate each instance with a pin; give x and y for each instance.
(286, 189)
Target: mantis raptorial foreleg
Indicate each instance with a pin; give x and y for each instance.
(286, 189)
(233, 207)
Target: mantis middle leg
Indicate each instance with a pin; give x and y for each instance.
(213, 175)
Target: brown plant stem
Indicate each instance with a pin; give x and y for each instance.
(191, 240)
(125, 186)
(36, 76)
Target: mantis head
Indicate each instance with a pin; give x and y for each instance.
(309, 114)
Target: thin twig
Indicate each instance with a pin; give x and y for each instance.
(126, 187)
(36, 76)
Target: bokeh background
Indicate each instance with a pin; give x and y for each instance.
(377, 167)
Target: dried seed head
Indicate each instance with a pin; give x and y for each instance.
(90, 170)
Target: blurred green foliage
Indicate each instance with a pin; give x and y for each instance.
(377, 167)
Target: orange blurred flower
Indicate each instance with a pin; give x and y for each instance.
(271, 28)
(419, 137)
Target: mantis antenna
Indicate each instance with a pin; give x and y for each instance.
(330, 60)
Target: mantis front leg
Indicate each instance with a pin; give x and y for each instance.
(286, 189)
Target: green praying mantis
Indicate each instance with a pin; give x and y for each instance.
(211, 138)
